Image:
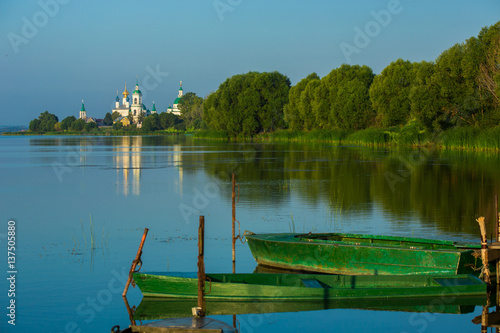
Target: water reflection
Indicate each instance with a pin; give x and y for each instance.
(152, 308)
(436, 189)
(128, 161)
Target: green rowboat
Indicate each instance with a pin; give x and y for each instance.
(307, 286)
(353, 254)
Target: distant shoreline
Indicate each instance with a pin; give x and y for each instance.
(464, 138)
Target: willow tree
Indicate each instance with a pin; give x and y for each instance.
(390, 93)
(293, 117)
(348, 92)
(248, 103)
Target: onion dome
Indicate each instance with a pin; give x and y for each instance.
(125, 92)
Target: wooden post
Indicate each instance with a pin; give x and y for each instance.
(130, 312)
(201, 267)
(233, 238)
(135, 262)
(484, 319)
(497, 218)
(484, 249)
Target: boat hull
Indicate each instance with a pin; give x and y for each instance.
(363, 255)
(306, 286)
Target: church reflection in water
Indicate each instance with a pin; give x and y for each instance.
(127, 160)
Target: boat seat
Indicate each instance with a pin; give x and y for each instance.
(311, 283)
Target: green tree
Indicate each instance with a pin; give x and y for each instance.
(151, 123)
(191, 107)
(108, 119)
(489, 71)
(35, 125)
(66, 123)
(348, 90)
(45, 123)
(115, 115)
(389, 93)
(78, 125)
(457, 71)
(321, 106)
(306, 104)
(141, 117)
(180, 126)
(248, 103)
(46, 117)
(426, 104)
(167, 120)
(88, 127)
(273, 89)
(118, 126)
(292, 114)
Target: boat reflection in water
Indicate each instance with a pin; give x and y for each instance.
(154, 308)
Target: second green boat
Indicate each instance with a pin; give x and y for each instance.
(353, 254)
(307, 286)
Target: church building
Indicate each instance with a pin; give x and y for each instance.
(136, 108)
(175, 109)
(83, 112)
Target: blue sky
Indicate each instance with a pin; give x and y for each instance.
(57, 52)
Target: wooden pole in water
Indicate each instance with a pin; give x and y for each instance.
(484, 249)
(130, 312)
(135, 262)
(497, 218)
(233, 220)
(201, 267)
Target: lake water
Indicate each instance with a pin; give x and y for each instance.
(80, 205)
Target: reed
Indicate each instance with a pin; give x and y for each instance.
(209, 134)
(489, 139)
(92, 243)
(83, 231)
(460, 137)
(93, 239)
(335, 214)
(292, 225)
(285, 185)
(318, 135)
(370, 136)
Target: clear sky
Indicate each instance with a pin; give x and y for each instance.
(57, 52)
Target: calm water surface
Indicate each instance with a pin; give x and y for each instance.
(80, 205)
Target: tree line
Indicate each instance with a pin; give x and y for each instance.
(460, 88)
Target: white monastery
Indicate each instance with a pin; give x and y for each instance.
(136, 108)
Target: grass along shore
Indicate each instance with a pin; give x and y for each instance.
(467, 138)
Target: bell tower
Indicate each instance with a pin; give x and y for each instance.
(83, 113)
